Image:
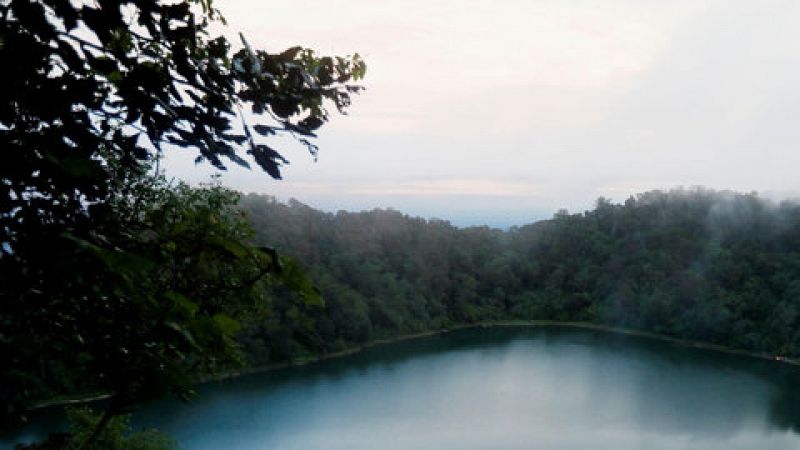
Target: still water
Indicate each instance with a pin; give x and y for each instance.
(500, 389)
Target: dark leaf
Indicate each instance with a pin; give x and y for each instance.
(264, 130)
(311, 123)
(268, 159)
(290, 53)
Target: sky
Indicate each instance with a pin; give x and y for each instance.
(502, 112)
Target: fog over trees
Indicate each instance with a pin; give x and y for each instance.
(695, 264)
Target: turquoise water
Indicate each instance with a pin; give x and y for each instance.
(499, 389)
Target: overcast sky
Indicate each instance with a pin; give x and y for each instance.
(501, 112)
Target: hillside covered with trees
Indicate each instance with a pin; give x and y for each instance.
(694, 264)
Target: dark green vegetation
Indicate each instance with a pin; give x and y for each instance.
(114, 280)
(115, 435)
(697, 265)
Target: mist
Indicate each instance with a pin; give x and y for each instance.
(500, 114)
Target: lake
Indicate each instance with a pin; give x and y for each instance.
(499, 388)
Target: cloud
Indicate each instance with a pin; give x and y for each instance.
(541, 104)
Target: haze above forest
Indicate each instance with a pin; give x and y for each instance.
(503, 113)
(693, 264)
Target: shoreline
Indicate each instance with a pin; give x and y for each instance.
(426, 334)
(501, 324)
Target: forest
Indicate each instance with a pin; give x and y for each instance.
(696, 264)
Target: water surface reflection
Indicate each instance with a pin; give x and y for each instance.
(504, 388)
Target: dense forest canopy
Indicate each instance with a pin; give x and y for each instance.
(696, 264)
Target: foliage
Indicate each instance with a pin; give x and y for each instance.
(160, 308)
(702, 265)
(116, 435)
(112, 279)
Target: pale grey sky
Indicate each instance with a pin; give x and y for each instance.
(504, 111)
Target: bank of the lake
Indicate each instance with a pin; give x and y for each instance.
(502, 324)
(226, 375)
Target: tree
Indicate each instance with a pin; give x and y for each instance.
(95, 92)
(114, 280)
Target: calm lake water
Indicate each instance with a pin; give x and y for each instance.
(499, 389)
